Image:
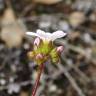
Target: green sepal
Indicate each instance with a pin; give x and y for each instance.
(44, 48)
(54, 56)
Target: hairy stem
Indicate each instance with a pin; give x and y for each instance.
(37, 80)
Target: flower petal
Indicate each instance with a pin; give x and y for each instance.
(32, 33)
(57, 34)
(48, 36)
(41, 33)
(35, 34)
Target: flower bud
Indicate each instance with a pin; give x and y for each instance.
(39, 56)
(30, 55)
(37, 41)
(60, 49)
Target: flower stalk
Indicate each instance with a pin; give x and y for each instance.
(41, 67)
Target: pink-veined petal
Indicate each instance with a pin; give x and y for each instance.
(60, 49)
(58, 34)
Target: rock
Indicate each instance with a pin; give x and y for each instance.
(2, 6)
(52, 88)
(47, 2)
(74, 35)
(47, 21)
(13, 88)
(76, 18)
(89, 53)
(87, 38)
(12, 39)
(63, 25)
(23, 93)
(93, 17)
(2, 82)
(11, 33)
(84, 5)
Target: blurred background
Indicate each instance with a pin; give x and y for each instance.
(76, 75)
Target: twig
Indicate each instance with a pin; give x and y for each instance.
(72, 81)
(70, 65)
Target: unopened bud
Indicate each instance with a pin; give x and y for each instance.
(60, 49)
(37, 41)
(30, 55)
(39, 56)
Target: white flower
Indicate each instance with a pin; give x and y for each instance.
(47, 36)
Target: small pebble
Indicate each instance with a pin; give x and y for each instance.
(2, 82)
(76, 18)
(11, 79)
(84, 5)
(93, 17)
(63, 25)
(87, 38)
(52, 88)
(45, 21)
(13, 88)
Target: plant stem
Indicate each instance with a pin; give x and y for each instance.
(37, 80)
